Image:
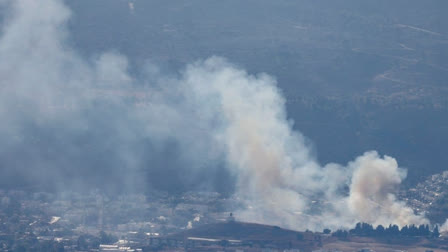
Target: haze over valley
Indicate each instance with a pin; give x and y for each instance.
(304, 115)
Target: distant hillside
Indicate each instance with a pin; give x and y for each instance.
(241, 231)
(372, 74)
(430, 196)
(257, 236)
(254, 235)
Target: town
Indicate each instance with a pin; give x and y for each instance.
(192, 221)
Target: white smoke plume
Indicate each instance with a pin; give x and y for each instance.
(371, 198)
(444, 227)
(276, 172)
(212, 108)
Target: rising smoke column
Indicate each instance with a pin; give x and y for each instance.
(371, 198)
(213, 110)
(277, 175)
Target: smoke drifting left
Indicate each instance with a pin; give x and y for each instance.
(75, 122)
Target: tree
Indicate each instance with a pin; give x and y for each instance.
(435, 232)
(413, 230)
(422, 231)
(380, 230)
(393, 230)
(404, 231)
(342, 234)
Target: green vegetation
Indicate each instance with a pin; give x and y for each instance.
(365, 229)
